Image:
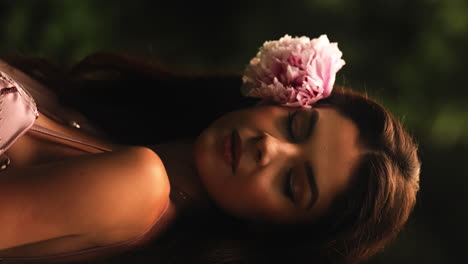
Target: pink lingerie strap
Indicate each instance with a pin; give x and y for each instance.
(46, 131)
(18, 112)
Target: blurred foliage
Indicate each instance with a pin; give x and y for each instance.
(410, 55)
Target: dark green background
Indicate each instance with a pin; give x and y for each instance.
(410, 55)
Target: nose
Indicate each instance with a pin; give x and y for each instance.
(270, 149)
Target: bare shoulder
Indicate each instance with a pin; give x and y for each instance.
(134, 201)
(142, 198)
(101, 198)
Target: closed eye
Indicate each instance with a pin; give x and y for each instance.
(290, 122)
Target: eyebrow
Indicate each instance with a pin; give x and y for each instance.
(309, 172)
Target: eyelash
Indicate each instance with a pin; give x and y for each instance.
(287, 186)
(291, 116)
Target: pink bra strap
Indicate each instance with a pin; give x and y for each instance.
(46, 131)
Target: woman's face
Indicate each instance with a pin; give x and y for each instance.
(291, 164)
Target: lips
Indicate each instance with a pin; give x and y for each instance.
(232, 149)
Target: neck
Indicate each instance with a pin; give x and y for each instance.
(187, 190)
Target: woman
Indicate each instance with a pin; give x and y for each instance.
(273, 181)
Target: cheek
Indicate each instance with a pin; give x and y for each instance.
(252, 197)
(208, 162)
(231, 119)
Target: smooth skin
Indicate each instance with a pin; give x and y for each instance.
(59, 200)
(273, 143)
(58, 196)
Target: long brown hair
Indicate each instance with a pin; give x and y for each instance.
(383, 194)
(362, 220)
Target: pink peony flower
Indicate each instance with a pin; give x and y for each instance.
(294, 72)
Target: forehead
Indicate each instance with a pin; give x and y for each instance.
(334, 152)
